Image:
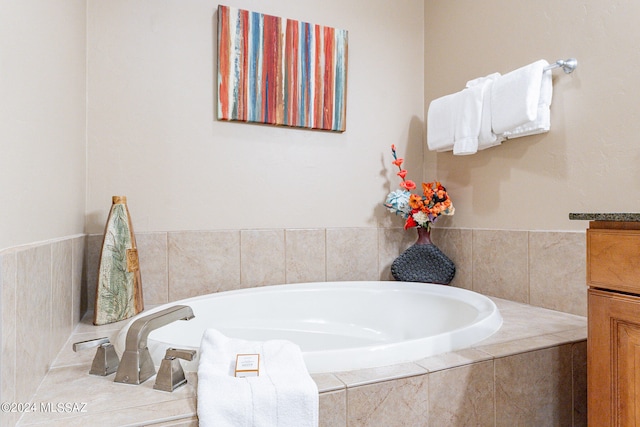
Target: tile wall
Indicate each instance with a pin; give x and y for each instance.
(536, 388)
(45, 288)
(41, 289)
(545, 269)
(542, 268)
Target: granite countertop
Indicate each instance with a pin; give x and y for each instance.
(621, 217)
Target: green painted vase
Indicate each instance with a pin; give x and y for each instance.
(119, 287)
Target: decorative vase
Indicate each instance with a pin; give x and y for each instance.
(119, 287)
(423, 262)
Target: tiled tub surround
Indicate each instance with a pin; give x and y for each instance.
(529, 373)
(40, 293)
(545, 269)
(53, 281)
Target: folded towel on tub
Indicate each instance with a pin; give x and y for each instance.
(515, 97)
(283, 395)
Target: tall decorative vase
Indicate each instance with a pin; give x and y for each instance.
(423, 262)
(119, 287)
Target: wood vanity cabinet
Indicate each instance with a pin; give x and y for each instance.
(613, 344)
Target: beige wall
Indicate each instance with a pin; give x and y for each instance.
(152, 135)
(589, 161)
(42, 120)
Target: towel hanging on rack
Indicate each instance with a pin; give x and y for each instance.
(515, 97)
(516, 104)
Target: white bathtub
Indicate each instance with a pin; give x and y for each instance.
(338, 325)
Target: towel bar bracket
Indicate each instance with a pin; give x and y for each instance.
(568, 65)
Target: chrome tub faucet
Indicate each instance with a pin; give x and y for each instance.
(136, 365)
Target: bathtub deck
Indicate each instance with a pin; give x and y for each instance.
(531, 371)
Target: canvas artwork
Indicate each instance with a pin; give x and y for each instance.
(280, 71)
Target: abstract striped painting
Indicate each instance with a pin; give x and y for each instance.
(280, 71)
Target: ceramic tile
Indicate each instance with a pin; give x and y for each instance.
(333, 409)
(402, 402)
(175, 412)
(33, 330)
(201, 262)
(9, 418)
(512, 347)
(305, 256)
(463, 396)
(61, 294)
(327, 382)
(262, 257)
(384, 373)
(518, 325)
(102, 395)
(557, 271)
(579, 365)
(457, 244)
(573, 335)
(152, 250)
(86, 325)
(8, 280)
(91, 267)
(352, 254)
(392, 242)
(506, 305)
(453, 359)
(77, 279)
(186, 422)
(500, 264)
(534, 388)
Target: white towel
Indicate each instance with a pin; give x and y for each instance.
(542, 122)
(515, 97)
(441, 122)
(486, 137)
(283, 395)
(467, 121)
(473, 130)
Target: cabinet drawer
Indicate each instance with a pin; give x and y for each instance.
(613, 259)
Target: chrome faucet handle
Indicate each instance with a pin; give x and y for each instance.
(171, 375)
(181, 354)
(106, 361)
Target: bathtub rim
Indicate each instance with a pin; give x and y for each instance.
(361, 357)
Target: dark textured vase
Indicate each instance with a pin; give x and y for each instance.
(423, 262)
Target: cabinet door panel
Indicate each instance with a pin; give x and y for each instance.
(626, 376)
(612, 357)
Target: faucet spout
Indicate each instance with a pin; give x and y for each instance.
(136, 365)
